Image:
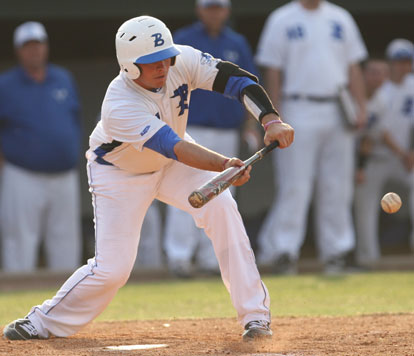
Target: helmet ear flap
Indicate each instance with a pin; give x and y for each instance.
(138, 71)
(131, 70)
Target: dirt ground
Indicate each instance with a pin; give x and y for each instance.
(372, 335)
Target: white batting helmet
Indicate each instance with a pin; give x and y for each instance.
(143, 39)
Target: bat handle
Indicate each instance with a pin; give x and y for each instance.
(260, 154)
(270, 147)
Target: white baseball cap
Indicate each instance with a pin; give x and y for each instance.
(207, 3)
(29, 31)
(400, 49)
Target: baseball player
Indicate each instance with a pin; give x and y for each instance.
(392, 154)
(310, 49)
(139, 151)
(214, 121)
(376, 72)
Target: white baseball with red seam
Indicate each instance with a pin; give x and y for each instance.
(391, 203)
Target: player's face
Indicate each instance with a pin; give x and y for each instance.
(401, 67)
(154, 75)
(33, 54)
(213, 17)
(375, 73)
(310, 4)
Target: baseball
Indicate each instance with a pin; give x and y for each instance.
(391, 203)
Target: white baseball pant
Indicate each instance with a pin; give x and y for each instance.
(150, 245)
(183, 238)
(121, 200)
(378, 172)
(38, 206)
(318, 164)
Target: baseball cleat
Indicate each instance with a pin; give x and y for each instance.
(257, 329)
(20, 329)
(285, 265)
(180, 268)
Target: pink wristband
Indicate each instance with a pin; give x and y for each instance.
(267, 124)
(224, 163)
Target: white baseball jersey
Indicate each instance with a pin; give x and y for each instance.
(399, 121)
(131, 114)
(400, 110)
(313, 48)
(377, 107)
(391, 108)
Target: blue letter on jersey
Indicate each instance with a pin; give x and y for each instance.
(408, 106)
(145, 130)
(337, 31)
(158, 41)
(206, 58)
(182, 92)
(295, 32)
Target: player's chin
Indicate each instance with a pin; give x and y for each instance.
(160, 81)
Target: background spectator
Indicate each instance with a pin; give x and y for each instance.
(40, 140)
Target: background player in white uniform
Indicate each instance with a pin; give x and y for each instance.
(215, 122)
(309, 49)
(139, 151)
(393, 160)
(375, 72)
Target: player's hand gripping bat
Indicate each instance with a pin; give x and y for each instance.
(225, 179)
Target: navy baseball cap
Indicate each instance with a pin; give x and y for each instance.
(207, 3)
(400, 49)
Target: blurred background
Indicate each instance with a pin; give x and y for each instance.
(81, 37)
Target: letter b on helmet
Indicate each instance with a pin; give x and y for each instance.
(158, 39)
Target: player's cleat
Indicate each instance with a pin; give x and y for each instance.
(257, 329)
(180, 268)
(335, 265)
(20, 329)
(343, 264)
(285, 265)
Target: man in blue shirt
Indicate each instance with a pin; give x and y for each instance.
(214, 121)
(40, 142)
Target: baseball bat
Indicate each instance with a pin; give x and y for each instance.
(201, 196)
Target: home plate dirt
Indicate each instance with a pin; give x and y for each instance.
(372, 335)
(134, 347)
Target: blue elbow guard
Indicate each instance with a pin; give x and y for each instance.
(235, 86)
(163, 142)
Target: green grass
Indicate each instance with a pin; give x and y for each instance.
(305, 295)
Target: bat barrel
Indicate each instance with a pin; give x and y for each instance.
(197, 199)
(214, 186)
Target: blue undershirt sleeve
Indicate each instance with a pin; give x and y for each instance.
(235, 86)
(163, 142)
